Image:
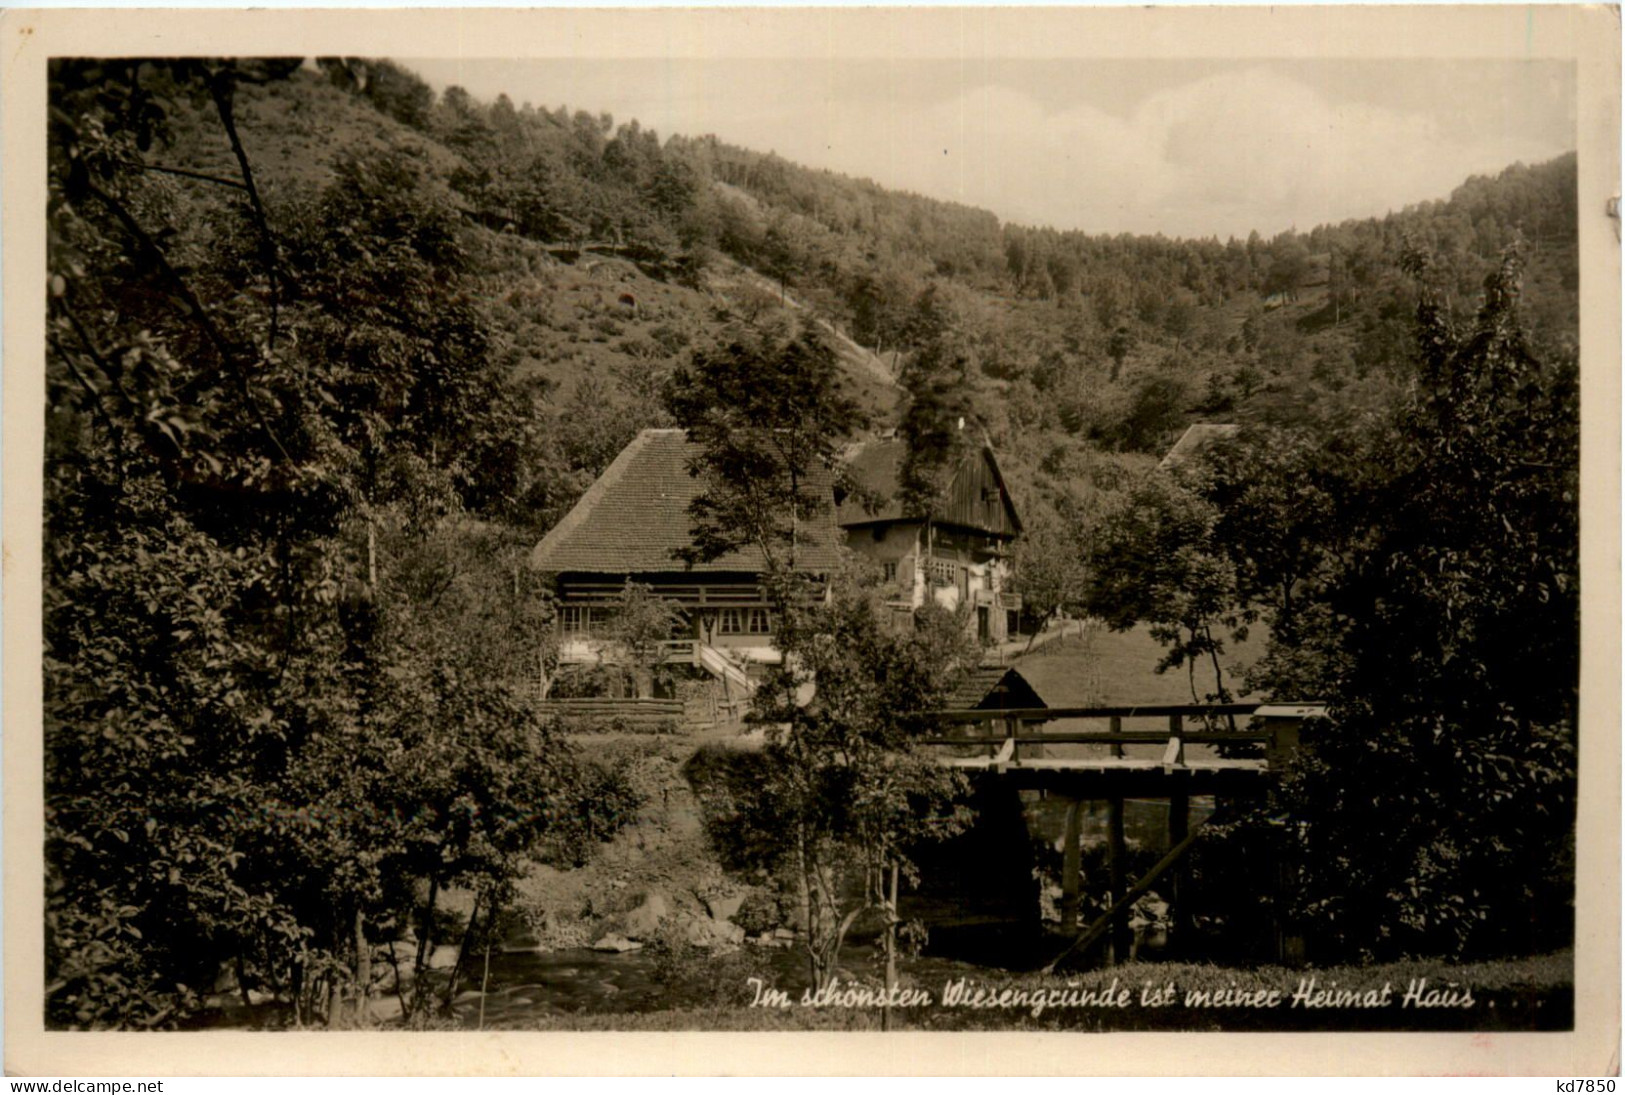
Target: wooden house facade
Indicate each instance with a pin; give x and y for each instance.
(958, 557)
(630, 525)
(633, 523)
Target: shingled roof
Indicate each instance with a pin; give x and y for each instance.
(635, 517)
(877, 467)
(991, 688)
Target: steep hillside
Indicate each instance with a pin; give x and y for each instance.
(326, 352)
(603, 254)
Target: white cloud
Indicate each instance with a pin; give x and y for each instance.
(1222, 153)
(1239, 150)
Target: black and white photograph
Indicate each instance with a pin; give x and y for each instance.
(745, 522)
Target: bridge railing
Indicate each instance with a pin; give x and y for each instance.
(1277, 726)
(1004, 732)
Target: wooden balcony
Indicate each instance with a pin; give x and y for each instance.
(685, 594)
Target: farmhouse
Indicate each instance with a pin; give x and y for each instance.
(959, 557)
(631, 524)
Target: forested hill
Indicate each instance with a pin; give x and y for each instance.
(326, 352)
(603, 253)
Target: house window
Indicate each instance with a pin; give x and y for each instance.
(575, 619)
(888, 571)
(744, 621)
(941, 572)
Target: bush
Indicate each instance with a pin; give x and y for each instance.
(1155, 411)
(671, 340)
(1230, 891)
(698, 977)
(589, 682)
(728, 784)
(605, 801)
(759, 913)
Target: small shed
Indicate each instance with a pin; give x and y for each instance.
(993, 688)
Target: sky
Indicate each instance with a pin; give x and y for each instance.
(1190, 148)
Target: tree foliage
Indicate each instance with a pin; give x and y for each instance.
(1419, 571)
(285, 660)
(844, 793)
(768, 415)
(640, 623)
(848, 793)
(1050, 565)
(1156, 560)
(939, 403)
(1438, 815)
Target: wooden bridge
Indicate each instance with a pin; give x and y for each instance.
(1179, 758)
(1187, 757)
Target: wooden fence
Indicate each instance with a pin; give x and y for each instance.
(600, 713)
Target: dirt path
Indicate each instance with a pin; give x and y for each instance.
(852, 352)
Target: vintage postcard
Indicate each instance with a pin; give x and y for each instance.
(627, 541)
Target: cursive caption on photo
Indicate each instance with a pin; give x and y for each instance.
(1310, 994)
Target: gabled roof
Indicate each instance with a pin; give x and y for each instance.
(1194, 441)
(633, 519)
(991, 688)
(877, 466)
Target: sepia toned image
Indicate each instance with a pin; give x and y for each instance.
(720, 536)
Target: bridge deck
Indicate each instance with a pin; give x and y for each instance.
(1112, 777)
(1188, 764)
(1106, 764)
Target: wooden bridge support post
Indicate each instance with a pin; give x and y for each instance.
(1179, 827)
(1272, 914)
(1010, 728)
(1286, 939)
(1071, 866)
(1116, 856)
(1032, 750)
(1286, 736)
(1117, 728)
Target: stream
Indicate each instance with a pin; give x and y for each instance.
(526, 985)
